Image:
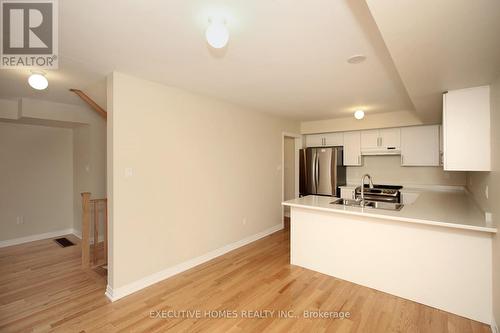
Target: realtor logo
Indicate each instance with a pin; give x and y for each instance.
(29, 34)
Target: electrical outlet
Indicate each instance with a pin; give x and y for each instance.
(244, 221)
(19, 220)
(488, 217)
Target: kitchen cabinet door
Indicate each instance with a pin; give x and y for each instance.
(369, 139)
(352, 148)
(390, 137)
(420, 146)
(441, 145)
(334, 139)
(466, 129)
(314, 140)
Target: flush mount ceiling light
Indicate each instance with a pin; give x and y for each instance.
(38, 81)
(359, 114)
(356, 59)
(217, 34)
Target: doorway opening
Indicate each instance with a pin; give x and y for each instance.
(291, 144)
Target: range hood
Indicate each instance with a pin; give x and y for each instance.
(381, 151)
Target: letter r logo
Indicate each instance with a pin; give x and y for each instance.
(27, 27)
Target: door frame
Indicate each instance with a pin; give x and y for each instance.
(298, 145)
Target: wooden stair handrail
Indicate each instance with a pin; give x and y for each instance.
(91, 102)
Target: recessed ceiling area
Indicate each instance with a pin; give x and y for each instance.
(440, 45)
(284, 57)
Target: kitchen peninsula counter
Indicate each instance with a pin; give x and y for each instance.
(450, 209)
(435, 251)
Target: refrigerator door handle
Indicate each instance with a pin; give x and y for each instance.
(316, 173)
(304, 159)
(313, 171)
(333, 167)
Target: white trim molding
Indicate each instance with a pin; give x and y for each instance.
(116, 294)
(32, 238)
(47, 235)
(493, 325)
(78, 234)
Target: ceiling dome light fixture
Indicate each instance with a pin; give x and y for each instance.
(217, 33)
(38, 81)
(359, 114)
(356, 59)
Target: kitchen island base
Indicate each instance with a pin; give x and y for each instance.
(446, 268)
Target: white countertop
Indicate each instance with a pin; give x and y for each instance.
(454, 209)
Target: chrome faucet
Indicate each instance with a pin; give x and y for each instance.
(362, 190)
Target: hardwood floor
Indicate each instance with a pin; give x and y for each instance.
(43, 288)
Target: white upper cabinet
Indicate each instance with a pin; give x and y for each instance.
(324, 140)
(352, 148)
(370, 139)
(390, 138)
(334, 139)
(420, 146)
(466, 129)
(314, 140)
(381, 141)
(441, 146)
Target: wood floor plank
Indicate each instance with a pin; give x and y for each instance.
(44, 289)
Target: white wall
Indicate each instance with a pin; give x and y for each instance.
(388, 170)
(36, 177)
(184, 174)
(477, 182)
(89, 164)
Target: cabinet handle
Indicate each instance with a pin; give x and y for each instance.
(359, 160)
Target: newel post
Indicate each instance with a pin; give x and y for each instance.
(85, 229)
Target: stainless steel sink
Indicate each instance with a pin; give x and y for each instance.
(369, 204)
(347, 202)
(384, 205)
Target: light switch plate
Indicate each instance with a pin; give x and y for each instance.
(129, 172)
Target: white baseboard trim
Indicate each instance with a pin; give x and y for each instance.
(494, 327)
(109, 293)
(32, 238)
(78, 234)
(46, 235)
(116, 294)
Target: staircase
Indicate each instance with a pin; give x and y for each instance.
(94, 214)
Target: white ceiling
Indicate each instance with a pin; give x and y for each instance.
(286, 57)
(440, 45)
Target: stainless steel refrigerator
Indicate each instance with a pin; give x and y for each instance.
(322, 171)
